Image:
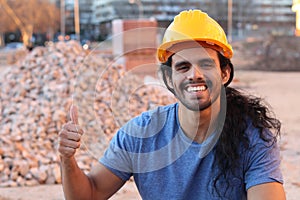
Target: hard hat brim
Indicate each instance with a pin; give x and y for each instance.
(167, 49)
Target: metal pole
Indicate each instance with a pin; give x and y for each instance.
(140, 7)
(62, 19)
(297, 30)
(296, 8)
(229, 21)
(76, 19)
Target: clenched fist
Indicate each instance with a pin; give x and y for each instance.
(69, 136)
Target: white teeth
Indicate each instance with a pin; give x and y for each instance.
(196, 89)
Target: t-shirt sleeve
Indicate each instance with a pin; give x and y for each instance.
(262, 162)
(116, 157)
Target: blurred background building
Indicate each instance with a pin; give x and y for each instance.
(248, 17)
(239, 18)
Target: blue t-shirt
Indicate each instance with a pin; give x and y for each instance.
(166, 164)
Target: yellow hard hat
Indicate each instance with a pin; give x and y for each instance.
(194, 25)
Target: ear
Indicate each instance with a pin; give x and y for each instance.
(166, 76)
(169, 81)
(225, 73)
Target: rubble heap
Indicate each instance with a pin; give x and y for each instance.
(273, 53)
(36, 95)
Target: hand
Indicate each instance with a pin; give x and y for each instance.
(69, 136)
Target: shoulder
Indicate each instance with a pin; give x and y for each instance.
(262, 159)
(157, 112)
(262, 147)
(147, 125)
(259, 135)
(149, 131)
(155, 118)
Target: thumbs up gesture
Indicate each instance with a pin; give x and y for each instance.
(70, 134)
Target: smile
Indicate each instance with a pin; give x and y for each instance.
(197, 88)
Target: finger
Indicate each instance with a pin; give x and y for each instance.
(74, 114)
(66, 151)
(71, 127)
(63, 142)
(70, 135)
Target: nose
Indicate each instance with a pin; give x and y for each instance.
(195, 73)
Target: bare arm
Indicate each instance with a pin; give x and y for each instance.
(99, 184)
(266, 191)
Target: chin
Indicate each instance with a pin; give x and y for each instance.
(197, 107)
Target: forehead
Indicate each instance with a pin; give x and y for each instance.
(196, 53)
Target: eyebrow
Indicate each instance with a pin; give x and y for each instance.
(201, 61)
(180, 63)
(209, 60)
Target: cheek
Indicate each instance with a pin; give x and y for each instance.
(176, 77)
(214, 75)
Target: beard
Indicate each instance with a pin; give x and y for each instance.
(201, 103)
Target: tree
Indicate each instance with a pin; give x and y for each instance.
(29, 16)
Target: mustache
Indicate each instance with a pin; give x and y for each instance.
(184, 84)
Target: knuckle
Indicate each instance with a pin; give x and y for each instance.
(64, 125)
(81, 131)
(61, 132)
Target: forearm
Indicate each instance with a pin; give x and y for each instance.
(266, 191)
(76, 184)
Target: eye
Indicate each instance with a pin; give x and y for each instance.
(207, 64)
(182, 67)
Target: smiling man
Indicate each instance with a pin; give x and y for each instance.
(215, 143)
(196, 79)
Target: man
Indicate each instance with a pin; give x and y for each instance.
(215, 143)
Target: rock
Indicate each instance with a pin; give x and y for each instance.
(36, 95)
(56, 173)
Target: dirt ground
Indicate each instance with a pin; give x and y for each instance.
(55, 192)
(280, 89)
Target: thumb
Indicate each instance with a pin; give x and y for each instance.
(74, 114)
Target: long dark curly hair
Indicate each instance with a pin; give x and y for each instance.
(240, 109)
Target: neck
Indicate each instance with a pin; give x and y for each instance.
(199, 125)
